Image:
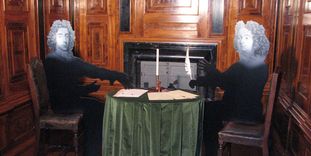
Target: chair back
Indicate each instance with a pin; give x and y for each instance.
(38, 87)
(271, 101)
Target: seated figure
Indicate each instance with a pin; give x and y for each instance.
(64, 72)
(243, 84)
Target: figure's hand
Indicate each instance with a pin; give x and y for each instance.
(193, 83)
(200, 81)
(93, 87)
(124, 80)
(203, 64)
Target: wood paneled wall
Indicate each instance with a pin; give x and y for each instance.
(99, 39)
(18, 43)
(261, 11)
(293, 114)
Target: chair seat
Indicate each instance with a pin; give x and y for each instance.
(61, 121)
(248, 134)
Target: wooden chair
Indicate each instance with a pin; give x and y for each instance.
(45, 118)
(250, 134)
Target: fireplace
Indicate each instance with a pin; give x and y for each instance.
(139, 61)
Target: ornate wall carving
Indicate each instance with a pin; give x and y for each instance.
(57, 6)
(172, 6)
(250, 7)
(16, 5)
(97, 7)
(171, 18)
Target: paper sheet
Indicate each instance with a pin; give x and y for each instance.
(171, 95)
(159, 96)
(179, 94)
(130, 93)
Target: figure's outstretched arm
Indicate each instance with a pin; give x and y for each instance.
(89, 70)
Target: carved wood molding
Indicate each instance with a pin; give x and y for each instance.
(16, 5)
(57, 6)
(97, 43)
(97, 7)
(250, 7)
(172, 6)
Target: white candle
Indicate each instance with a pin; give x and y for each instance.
(157, 63)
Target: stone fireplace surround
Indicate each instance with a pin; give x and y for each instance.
(136, 52)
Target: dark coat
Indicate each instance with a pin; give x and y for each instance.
(64, 75)
(243, 87)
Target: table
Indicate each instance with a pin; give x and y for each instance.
(139, 127)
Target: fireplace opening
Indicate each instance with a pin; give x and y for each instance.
(139, 64)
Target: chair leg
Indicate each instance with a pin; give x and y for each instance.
(265, 150)
(76, 142)
(220, 148)
(229, 149)
(44, 144)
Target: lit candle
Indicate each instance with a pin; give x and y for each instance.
(157, 63)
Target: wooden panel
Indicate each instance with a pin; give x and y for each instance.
(125, 15)
(305, 71)
(57, 6)
(97, 7)
(17, 43)
(16, 5)
(217, 16)
(308, 6)
(250, 7)
(97, 44)
(287, 58)
(298, 143)
(20, 122)
(261, 11)
(53, 10)
(308, 152)
(1, 66)
(281, 120)
(161, 19)
(3, 136)
(172, 6)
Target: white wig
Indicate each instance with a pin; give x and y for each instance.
(54, 28)
(261, 42)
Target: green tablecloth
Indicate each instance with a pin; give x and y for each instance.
(138, 127)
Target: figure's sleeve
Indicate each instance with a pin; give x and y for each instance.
(215, 78)
(86, 69)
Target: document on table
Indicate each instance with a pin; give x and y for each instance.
(179, 94)
(159, 96)
(171, 95)
(130, 93)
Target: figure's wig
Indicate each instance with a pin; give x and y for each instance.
(54, 28)
(261, 43)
